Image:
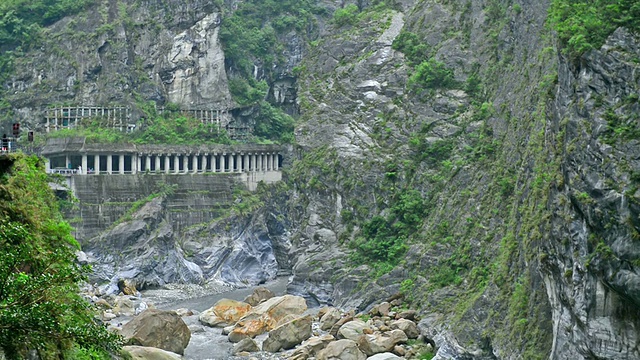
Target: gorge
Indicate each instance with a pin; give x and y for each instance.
(471, 155)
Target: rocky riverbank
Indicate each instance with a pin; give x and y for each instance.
(184, 322)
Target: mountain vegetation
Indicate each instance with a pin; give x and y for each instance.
(40, 305)
(584, 25)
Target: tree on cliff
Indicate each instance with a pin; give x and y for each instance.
(40, 305)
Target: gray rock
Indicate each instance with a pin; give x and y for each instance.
(341, 350)
(246, 344)
(150, 353)
(330, 318)
(381, 342)
(384, 356)
(310, 347)
(353, 330)
(259, 294)
(407, 326)
(288, 335)
(160, 329)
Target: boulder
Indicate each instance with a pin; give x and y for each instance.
(267, 316)
(329, 318)
(384, 356)
(237, 336)
(127, 287)
(224, 312)
(381, 309)
(381, 342)
(182, 312)
(338, 325)
(352, 330)
(409, 315)
(344, 349)
(246, 344)
(310, 347)
(288, 335)
(103, 304)
(227, 329)
(123, 305)
(157, 328)
(150, 353)
(407, 326)
(399, 350)
(323, 311)
(259, 294)
(108, 316)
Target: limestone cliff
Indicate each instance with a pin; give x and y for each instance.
(121, 53)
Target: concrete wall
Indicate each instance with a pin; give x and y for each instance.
(197, 198)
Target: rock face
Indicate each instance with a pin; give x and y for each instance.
(148, 251)
(193, 70)
(177, 59)
(592, 253)
(159, 329)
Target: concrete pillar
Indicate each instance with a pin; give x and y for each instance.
(194, 163)
(66, 162)
(139, 163)
(185, 159)
(84, 164)
(176, 164)
(205, 162)
(147, 162)
(134, 163)
(222, 162)
(238, 163)
(261, 162)
(109, 164)
(276, 161)
(47, 164)
(232, 162)
(157, 166)
(121, 164)
(96, 164)
(167, 165)
(254, 166)
(246, 163)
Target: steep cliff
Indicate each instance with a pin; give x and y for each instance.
(447, 150)
(520, 160)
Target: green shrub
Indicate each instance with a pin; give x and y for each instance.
(383, 241)
(411, 46)
(40, 308)
(346, 16)
(274, 124)
(585, 24)
(432, 74)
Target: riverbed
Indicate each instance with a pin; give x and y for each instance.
(207, 343)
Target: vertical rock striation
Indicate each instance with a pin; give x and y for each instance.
(591, 274)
